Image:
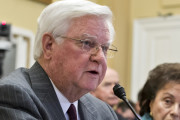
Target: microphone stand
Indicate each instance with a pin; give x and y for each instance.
(120, 92)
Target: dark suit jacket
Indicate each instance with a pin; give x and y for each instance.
(27, 94)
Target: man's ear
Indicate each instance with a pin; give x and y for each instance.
(47, 45)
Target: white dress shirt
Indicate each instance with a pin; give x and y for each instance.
(65, 104)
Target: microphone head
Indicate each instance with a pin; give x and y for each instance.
(119, 91)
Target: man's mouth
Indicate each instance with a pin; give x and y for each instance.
(93, 72)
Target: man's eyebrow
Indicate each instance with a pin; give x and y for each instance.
(169, 94)
(107, 83)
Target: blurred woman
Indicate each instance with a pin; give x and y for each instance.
(160, 96)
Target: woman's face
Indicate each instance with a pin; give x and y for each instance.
(166, 105)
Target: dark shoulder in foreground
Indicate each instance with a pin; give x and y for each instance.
(19, 77)
(98, 108)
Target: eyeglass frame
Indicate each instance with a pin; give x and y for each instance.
(96, 46)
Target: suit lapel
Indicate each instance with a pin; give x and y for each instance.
(44, 90)
(86, 110)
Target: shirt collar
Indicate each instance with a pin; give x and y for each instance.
(65, 104)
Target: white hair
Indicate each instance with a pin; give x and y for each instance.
(56, 17)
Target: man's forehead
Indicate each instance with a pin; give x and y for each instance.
(90, 25)
(110, 80)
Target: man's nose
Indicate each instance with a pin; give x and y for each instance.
(99, 51)
(98, 55)
(176, 111)
(112, 85)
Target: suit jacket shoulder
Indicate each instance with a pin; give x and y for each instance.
(28, 94)
(95, 109)
(17, 98)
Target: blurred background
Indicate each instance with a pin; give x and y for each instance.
(147, 34)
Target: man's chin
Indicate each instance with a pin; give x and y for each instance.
(90, 88)
(112, 103)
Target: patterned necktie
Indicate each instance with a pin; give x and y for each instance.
(72, 112)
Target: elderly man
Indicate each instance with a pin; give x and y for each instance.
(72, 44)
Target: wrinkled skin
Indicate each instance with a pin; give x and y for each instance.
(166, 105)
(72, 71)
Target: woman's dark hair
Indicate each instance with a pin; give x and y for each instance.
(157, 79)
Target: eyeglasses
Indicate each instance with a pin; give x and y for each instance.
(89, 45)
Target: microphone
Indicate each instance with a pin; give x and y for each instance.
(120, 92)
